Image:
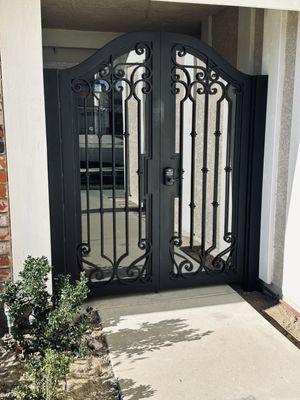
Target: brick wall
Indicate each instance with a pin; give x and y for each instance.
(5, 244)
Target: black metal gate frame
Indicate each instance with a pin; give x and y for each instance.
(65, 211)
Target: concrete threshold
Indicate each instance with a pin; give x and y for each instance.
(197, 344)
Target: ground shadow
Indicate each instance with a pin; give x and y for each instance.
(132, 391)
(263, 302)
(147, 337)
(151, 336)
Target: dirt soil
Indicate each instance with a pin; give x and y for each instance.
(90, 377)
(281, 317)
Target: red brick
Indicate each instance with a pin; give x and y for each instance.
(3, 206)
(4, 248)
(4, 233)
(4, 220)
(4, 261)
(3, 191)
(3, 176)
(5, 274)
(2, 163)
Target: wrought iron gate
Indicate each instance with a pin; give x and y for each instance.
(155, 147)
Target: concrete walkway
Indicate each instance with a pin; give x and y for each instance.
(197, 344)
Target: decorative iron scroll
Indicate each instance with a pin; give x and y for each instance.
(187, 83)
(133, 80)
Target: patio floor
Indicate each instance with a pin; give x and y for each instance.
(197, 344)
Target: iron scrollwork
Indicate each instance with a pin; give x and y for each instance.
(188, 81)
(133, 80)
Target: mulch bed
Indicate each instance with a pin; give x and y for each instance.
(91, 376)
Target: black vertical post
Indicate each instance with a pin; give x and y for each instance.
(71, 175)
(256, 161)
(55, 175)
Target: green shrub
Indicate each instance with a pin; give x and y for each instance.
(28, 296)
(56, 321)
(43, 376)
(49, 328)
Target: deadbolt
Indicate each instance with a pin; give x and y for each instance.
(169, 176)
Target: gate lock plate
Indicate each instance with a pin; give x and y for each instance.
(169, 176)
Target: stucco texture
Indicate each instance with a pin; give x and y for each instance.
(225, 33)
(283, 156)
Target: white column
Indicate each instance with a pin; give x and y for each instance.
(291, 270)
(22, 70)
(273, 66)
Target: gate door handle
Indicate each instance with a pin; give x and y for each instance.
(169, 176)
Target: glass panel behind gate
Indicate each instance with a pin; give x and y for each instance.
(204, 230)
(112, 108)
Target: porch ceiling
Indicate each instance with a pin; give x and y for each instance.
(124, 15)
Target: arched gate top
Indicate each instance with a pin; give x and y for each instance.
(160, 41)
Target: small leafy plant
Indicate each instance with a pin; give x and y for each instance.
(45, 374)
(48, 328)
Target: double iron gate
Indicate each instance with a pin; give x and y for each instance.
(155, 148)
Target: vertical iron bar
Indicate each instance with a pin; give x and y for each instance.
(228, 168)
(215, 203)
(192, 202)
(113, 174)
(204, 167)
(148, 156)
(181, 123)
(100, 135)
(139, 167)
(126, 134)
(87, 174)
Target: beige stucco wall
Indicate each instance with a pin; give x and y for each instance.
(24, 113)
(284, 144)
(250, 40)
(291, 270)
(279, 54)
(225, 33)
